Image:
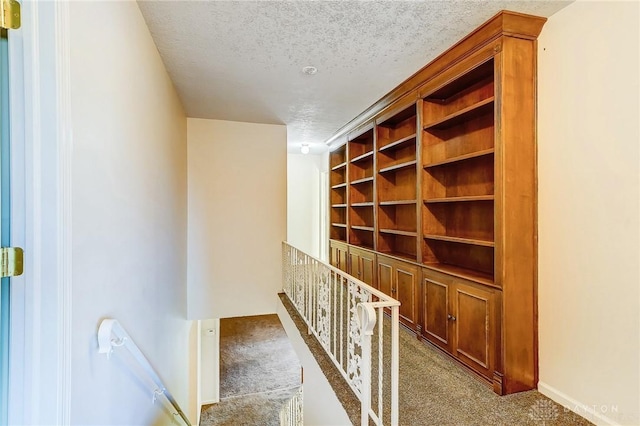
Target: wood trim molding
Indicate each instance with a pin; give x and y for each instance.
(504, 23)
(41, 216)
(64, 223)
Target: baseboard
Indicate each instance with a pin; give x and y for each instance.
(589, 412)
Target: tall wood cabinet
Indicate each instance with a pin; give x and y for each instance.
(433, 198)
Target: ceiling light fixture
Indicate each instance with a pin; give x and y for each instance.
(304, 148)
(309, 70)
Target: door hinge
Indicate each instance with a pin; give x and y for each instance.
(11, 259)
(9, 14)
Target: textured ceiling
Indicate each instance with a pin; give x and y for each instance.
(243, 60)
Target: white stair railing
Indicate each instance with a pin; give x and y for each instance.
(342, 313)
(292, 412)
(111, 335)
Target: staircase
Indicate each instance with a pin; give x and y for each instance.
(259, 373)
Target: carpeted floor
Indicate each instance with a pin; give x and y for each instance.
(434, 390)
(259, 372)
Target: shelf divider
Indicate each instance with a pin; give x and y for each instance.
(460, 199)
(362, 228)
(396, 144)
(471, 155)
(397, 166)
(453, 118)
(397, 203)
(362, 157)
(460, 240)
(363, 180)
(397, 232)
(339, 166)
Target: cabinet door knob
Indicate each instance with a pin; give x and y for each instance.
(451, 317)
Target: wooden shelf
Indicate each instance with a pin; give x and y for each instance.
(362, 228)
(365, 204)
(339, 166)
(400, 255)
(459, 116)
(363, 180)
(364, 156)
(467, 274)
(338, 205)
(340, 185)
(339, 225)
(470, 241)
(397, 203)
(460, 158)
(462, 82)
(397, 166)
(460, 199)
(397, 232)
(396, 144)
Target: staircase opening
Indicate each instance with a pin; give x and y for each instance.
(259, 372)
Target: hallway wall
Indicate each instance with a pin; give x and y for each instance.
(321, 405)
(589, 251)
(303, 201)
(129, 216)
(237, 217)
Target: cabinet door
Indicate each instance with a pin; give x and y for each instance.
(339, 256)
(334, 258)
(385, 276)
(473, 314)
(368, 268)
(436, 305)
(355, 269)
(343, 258)
(404, 290)
(362, 265)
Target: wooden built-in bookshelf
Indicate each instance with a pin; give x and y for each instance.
(433, 197)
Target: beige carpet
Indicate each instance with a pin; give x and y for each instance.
(434, 390)
(259, 372)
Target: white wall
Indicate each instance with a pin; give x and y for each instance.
(237, 217)
(321, 405)
(303, 201)
(129, 223)
(589, 252)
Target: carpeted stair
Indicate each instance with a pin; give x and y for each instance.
(259, 372)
